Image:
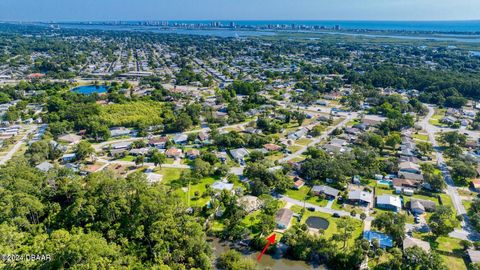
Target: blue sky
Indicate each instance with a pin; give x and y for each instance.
(61, 10)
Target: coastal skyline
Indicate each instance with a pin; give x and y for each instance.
(108, 10)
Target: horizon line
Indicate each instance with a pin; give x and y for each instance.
(241, 20)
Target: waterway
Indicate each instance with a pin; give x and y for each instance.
(275, 262)
(404, 29)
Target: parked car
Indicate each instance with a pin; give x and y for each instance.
(312, 209)
(336, 215)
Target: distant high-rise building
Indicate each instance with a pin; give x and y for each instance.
(232, 25)
(337, 27)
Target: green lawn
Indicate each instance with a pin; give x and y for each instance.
(453, 262)
(298, 194)
(169, 174)
(294, 148)
(466, 204)
(275, 156)
(332, 228)
(299, 159)
(169, 160)
(421, 137)
(449, 249)
(303, 141)
(200, 188)
(439, 114)
(128, 158)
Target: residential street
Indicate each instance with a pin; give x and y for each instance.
(317, 140)
(467, 231)
(17, 146)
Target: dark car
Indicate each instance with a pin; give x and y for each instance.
(312, 209)
(336, 215)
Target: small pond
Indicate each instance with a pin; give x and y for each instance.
(317, 223)
(90, 89)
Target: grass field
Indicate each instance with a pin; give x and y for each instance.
(169, 174)
(449, 249)
(294, 148)
(421, 137)
(332, 227)
(439, 114)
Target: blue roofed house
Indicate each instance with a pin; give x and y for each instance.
(384, 240)
(389, 202)
(68, 157)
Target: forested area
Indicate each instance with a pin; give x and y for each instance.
(100, 221)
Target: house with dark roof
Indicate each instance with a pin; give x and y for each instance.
(410, 167)
(283, 217)
(410, 242)
(418, 206)
(411, 176)
(330, 193)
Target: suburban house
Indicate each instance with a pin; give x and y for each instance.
(193, 153)
(139, 151)
(70, 138)
(239, 154)
(411, 176)
(401, 184)
(418, 206)
(360, 197)
(222, 185)
(174, 153)
(249, 203)
(475, 184)
(389, 202)
(298, 184)
(68, 157)
(283, 217)
(272, 147)
(159, 142)
(410, 167)
(330, 193)
(154, 177)
(384, 240)
(409, 242)
(222, 156)
(180, 138)
(203, 137)
(120, 132)
(45, 166)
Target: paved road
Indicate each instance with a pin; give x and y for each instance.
(131, 163)
(318, 139)
(467, 231)
(17, 146)
(99, 146)
(318, 208)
